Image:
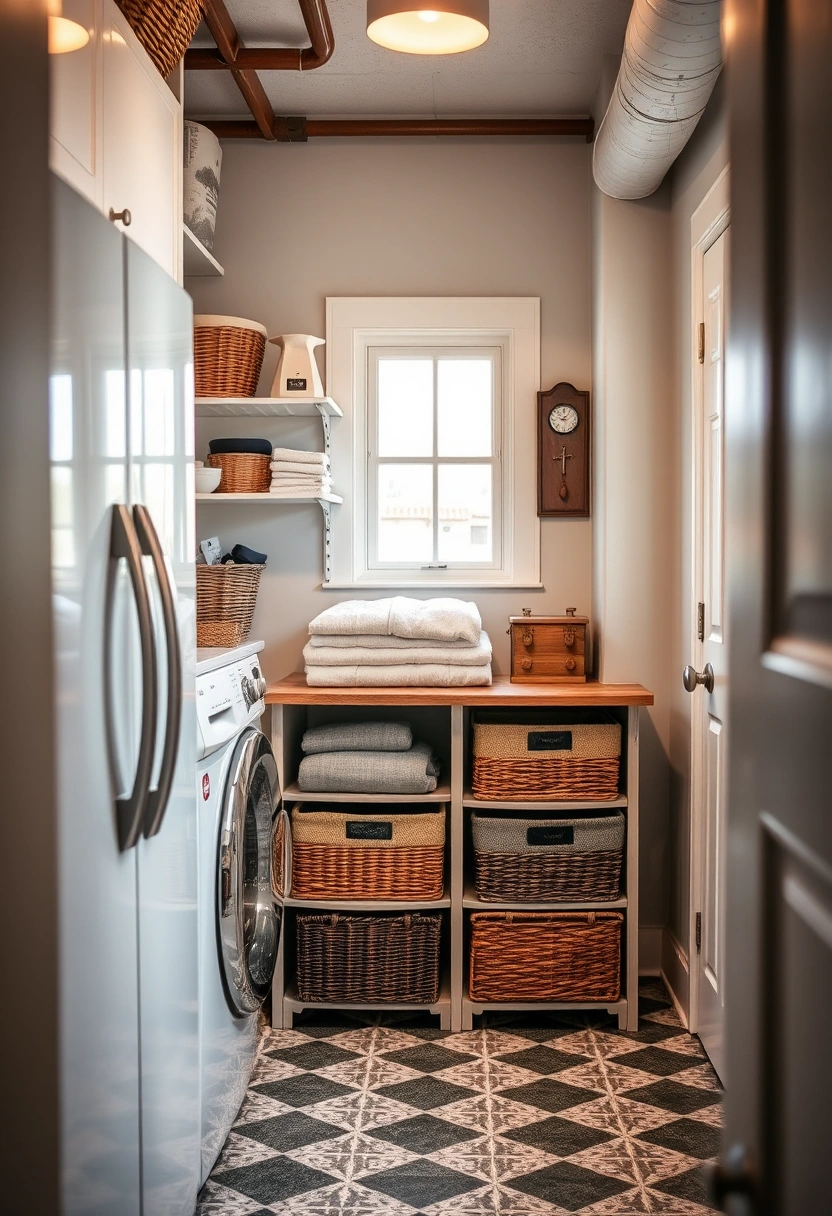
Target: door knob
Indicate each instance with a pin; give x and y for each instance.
(691, 677)
(125, 217)
(734, 1174)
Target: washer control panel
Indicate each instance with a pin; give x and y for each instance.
(227, 699)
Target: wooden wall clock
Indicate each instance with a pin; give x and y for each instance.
(563, 451)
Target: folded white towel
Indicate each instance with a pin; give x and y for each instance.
(405, 675)
(300, 457)
(294, 479)
(296, 466)
(299, 491)
(441, 619)
(392, 656)
(375, 641)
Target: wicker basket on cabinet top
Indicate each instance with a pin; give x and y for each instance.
(547, 859)
(545, 956)
(557, 754)
(353, 855)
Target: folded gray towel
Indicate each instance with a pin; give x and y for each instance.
(358, 737)
(415, 771)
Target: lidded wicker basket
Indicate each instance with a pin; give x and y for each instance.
(350, 855)
(225, 600)
(228, 355)
(163, 27)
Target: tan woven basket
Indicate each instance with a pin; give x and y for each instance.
(576, 757)
(163, 27)
(279, 854)
(225, 599)
(242, 472)
(369, 958)
(545, 956)
(228, 356)
(349, 855)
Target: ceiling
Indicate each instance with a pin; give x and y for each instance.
(542, 59)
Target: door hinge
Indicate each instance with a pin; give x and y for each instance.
(698, 932)
(701, 352)
(700, 622)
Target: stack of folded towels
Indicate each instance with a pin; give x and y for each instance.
(366, 758)
(398, 642)
(295, 473)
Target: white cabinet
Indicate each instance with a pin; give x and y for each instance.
(117, 131)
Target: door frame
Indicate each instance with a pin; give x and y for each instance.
(709, 221)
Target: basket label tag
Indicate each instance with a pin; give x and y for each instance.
(550, 835)
(550, 741)
(296, 384)
(361, 830)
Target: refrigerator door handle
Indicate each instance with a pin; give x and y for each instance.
(151, 547)
(124, 543)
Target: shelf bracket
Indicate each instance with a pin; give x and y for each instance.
(326, 507)
(326, 425)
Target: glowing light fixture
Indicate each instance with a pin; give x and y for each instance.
(428, 27)
(64, 35)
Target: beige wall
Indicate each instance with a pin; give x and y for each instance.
(397, 217)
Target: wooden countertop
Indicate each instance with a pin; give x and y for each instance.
(293, 690)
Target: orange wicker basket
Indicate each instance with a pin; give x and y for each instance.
(225, 599)
(566, 754)
(228, 356)
(242, 472)
(164, 28)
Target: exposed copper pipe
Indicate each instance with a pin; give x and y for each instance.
(231, 54)
(298, 130)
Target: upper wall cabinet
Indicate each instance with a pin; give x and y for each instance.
(116, 131)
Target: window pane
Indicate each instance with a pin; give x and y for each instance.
(465, 524)
(405, 513)
(465, 395)
(405, 407)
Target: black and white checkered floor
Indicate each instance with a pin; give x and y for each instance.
(542, 1117)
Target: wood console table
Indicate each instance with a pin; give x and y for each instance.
(440, 716)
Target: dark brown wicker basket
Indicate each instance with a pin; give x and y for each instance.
(227, 358)
(360, 959)
(545, 956)
(548, 877)
(163, 27)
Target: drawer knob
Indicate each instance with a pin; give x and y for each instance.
(528, 637)
(569, 637)
(124, 216)
(526, 664)
(570, 664)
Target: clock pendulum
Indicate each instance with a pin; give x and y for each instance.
(563, 492)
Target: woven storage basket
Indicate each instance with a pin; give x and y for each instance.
(279, 854)
(572, 754)
(242, 472)
(349, 855)
(545, 956)
(228, 356)
(163, 27)
(369, 958)
(546, 859)
(225, 599)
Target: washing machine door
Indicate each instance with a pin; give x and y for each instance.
(248, 919)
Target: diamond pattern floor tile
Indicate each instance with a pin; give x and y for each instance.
(540, 1115)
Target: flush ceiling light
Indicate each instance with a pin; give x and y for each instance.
(64, 35)
(428, 27)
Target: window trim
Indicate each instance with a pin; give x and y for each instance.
(356, 323)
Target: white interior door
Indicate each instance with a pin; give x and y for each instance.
(710, 706)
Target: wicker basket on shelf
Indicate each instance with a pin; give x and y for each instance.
(350, 855)
(163, 28)
(358, 959)
(242, 472)
(228, 356)
(545, 956)
(548, 858)
(279, 854)
(225, 600)
(571, 754)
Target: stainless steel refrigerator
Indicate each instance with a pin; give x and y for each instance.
(121, 417)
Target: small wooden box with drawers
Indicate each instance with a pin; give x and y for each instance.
(548, 649)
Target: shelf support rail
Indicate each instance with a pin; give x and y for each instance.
(327, 429)
(326, 507)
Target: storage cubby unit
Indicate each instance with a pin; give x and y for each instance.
(443, 718)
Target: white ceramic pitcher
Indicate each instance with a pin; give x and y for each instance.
(297, 372)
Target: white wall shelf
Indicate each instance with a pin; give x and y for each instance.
(293, 793)
(266, 407)
(196, 259)
(274, 500)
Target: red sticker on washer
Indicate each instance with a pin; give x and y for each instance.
(206, 787)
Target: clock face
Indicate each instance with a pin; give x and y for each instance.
(563, 419)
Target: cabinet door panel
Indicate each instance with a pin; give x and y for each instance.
(142, 142)
(73, 151)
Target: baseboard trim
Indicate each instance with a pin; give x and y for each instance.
(675, 971)
(650, 949)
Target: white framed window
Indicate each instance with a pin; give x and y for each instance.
(435, 456)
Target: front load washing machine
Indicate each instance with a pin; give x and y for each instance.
(239, 922)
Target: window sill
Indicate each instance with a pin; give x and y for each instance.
(394, 586)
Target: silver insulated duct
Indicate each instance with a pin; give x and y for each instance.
(672, 57)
